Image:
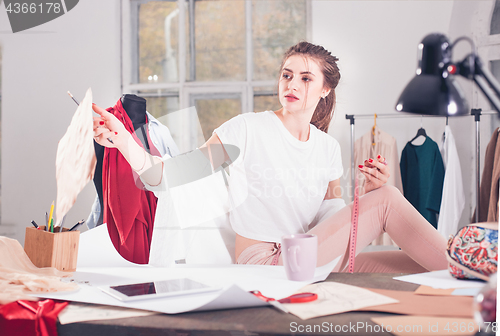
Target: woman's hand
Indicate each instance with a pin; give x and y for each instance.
(376, 173)
(108, 130)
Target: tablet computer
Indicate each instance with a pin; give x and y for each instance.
(157, 289)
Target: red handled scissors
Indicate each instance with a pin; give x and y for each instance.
(295, 298)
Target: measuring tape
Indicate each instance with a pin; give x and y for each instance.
(354, 227)
(354, 224)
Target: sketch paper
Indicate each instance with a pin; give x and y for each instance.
(439, 279)
(334, 298)
(75, 158)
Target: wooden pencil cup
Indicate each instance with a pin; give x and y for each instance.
(47, 249)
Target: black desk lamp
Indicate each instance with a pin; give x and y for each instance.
(433, 91)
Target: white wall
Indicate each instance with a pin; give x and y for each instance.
(376, 42)
(78, 50)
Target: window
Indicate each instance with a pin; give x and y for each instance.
(221, 57)
(495, 19)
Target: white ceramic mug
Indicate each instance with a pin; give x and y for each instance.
(300, 253)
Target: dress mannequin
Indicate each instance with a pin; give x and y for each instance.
(135, 107)
(136, 110)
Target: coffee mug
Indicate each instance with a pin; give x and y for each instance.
(300, 253)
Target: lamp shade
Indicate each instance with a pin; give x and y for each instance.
(433, 91)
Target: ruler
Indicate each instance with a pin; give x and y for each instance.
(354, 227)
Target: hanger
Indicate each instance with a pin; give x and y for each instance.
(373, 128)
(444, 133)
(421, 131)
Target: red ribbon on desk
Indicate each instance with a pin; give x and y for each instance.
(25, 318)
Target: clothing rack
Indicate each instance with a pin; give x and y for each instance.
(474, 112)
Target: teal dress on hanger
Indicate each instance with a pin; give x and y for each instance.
(422, 174)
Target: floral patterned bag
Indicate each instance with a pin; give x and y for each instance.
(473, 252)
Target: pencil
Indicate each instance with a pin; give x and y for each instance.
(62, 224)
(77, 225)
(50, 215)
(35, 224)
(77, 103)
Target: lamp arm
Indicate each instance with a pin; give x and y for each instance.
(484, 72)
(492, 91)
(488, 92)
(473, 68)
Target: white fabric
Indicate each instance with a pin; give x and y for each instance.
(453, 199)
(278, 183)
(19, 277)
(191, 223)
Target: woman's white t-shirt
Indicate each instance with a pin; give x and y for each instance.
(278, 182)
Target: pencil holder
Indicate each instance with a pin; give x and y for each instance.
(47, 249)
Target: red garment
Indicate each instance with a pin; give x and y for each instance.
(25, 318)
(128, 210)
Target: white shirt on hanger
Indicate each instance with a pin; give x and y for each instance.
(453, 199)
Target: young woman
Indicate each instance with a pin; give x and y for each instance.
(289, 169)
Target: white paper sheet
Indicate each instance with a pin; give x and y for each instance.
(228, 298)
(99, 264)
(466, 291)
(440, 279)
(236, 281)
(95, 249)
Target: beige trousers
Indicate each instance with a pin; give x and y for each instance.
(381, 210)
